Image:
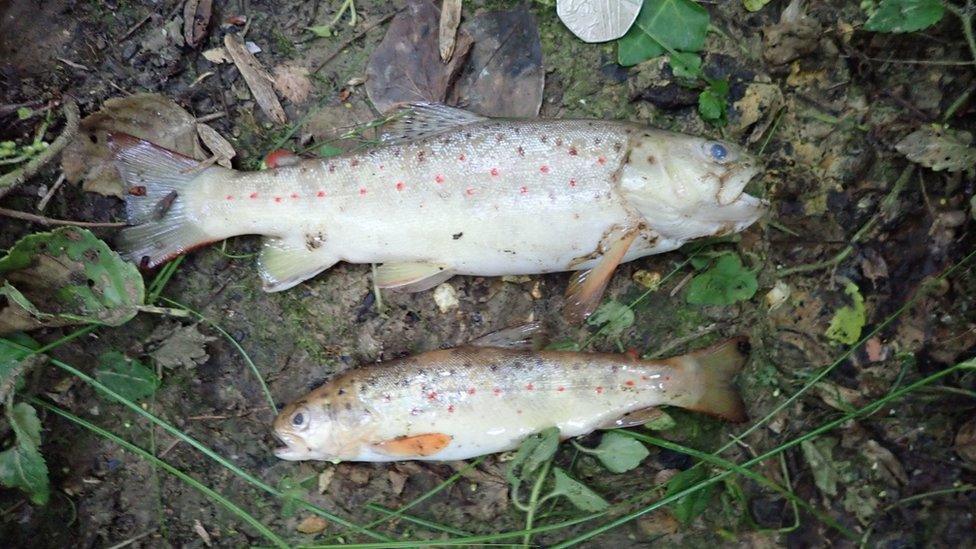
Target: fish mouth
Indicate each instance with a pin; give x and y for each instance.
(294, 449)
(735, 179)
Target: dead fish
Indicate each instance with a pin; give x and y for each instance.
(450, 192)
(489, 395)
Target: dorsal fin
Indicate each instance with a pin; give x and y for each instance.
(422, 120)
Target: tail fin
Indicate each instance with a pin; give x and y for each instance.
(155, 181)
(715, 367)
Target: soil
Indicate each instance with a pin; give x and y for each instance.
(823, 113)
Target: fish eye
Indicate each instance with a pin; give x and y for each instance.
(298, 419)
(718, 152)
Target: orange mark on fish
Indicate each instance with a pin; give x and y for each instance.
(601, 160)
(400, 185)
(450, 408)
(230, 197)
(277, 199)
(461, 158)
(320, 194)
(494, 172)
(362, 191)
(253, 195)
(629, 383)
(497, 391)
(544, 168)
(439, 178)
(572, 182)
(294, 195)
(560, 389)
(599, 390)
(529, 387)
(524, 190)
(470, 191)
(432, 395)
(471, 391)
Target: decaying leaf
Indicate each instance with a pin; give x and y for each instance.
(450, 19)
(598, 20)
(15, 361)
(847, 323)
(312, 525)
(292, 82)
(406, 66)
(884, 462)
(965, 444)
(794, 36)
(939, 148)
(258, 80)
(504, 77)
(219, 147)
(65, 277)
(838, 397)
(819, 456)
(179, 345)
(127, 377)
(196, 19)
(21, 465)
(219, 55)
(149, 116)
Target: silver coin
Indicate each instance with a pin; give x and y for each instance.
(598, 20)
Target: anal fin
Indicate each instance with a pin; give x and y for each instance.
(523, 337)
(586, 288)
(632, 419)
(285, 262)
(411, 277)
(418, 445)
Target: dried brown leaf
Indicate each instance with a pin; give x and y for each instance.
(406, 66)
(292, 82)
(179, 345)
(884, 461)
(216, 144)
(504, 76)
(196, 19)
(258, 80)
(149, 116)
(966, 442)
(312, 525)
(450, 19)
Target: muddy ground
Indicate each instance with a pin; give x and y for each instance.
(823, 116)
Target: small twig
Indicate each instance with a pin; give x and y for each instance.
(132, 540)
(135, 27)
(47, 221)
(208, 117)
(54, 188)
(168, 311)
(349, 41)
(71, 115)
(681, 341)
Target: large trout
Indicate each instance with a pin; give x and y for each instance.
(450, 192)
(487, 397)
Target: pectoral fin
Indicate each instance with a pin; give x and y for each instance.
(631, 419)
(285, 262)
(524, 337)
(418, 445)
(411, 277)
(586, 287)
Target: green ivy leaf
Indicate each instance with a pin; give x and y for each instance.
(22, 465)
(905, 15)
(532, 454)
(686, 65)
(661, 26)
(849, 320)
(713, 102)
(64, 277)
(690, 506)
(127, 377)
(617, 317)
(620, 453)
(725, 283)
(576, 492)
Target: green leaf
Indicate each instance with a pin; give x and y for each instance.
(725, 283)
(532, 454)
(713, 101)
(819, 455)
(848, 321)
(322, 31)
(12, 363)
(690, 506)
(24, 113)
(328, 151)
(905, 15)
(577, 493)
(686, 65)
(64, 277)
(663, 26)
(755, 5)
(22, 465)
(126, 376)
(563, 346)
(620, 453)
(662, 422)
(617, 317)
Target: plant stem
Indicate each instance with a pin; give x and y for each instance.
(534, 501)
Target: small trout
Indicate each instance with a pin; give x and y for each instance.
(450, 192)
(476, 399)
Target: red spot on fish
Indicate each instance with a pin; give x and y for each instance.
(230, 197)
(354, 163)
(560, 389)
(494, 172)
(544, 168)
(461, 158)
(439, 178)
(572, 182)
(432, 395)
(294, 195)
(632, 354)
(253, 195)
(471, 391)
(601, 160)
(529, 387)
(599, 390)
(497, 391)
(572, 151)
(450, 408)
(277, 199)
(629, 383)
(400, 185)
(362, 191)
(524, 190)
(320, 194)
(470, 191)
(667, 378)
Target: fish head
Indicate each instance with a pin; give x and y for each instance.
(693, 184)
(309, 431)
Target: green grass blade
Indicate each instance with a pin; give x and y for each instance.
(417, 520)
(226, 503)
